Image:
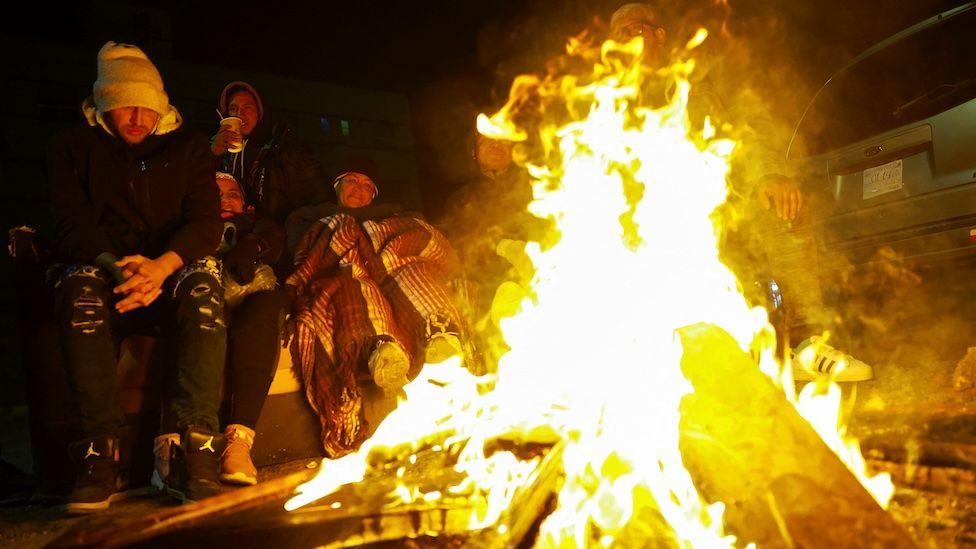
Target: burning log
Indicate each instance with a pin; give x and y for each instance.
(936, 434)
(746, 445)
(357, 514)
(112, 533)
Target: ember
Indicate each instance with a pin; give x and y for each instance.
(595, 360)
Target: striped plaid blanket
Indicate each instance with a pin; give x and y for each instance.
(356, 284)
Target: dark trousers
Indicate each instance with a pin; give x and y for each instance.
(254, 341)
(190, 316)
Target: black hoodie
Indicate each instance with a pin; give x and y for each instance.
(277, 173)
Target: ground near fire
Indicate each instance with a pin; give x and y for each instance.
(644, 399)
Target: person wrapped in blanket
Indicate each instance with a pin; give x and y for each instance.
(371, 301)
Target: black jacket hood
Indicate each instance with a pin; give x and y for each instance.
(262, 130)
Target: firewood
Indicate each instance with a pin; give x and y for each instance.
(746, 445)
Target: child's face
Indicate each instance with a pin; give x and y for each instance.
(231, 197)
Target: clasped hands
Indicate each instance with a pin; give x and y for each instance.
(143, 279)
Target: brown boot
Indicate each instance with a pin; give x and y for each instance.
(236, 466)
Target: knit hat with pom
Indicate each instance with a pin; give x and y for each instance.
(127, 78)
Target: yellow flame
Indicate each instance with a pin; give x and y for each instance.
(820, 404)
(617, 307)
(594, 360)
(495, 129)
(697, 39)
(500, 125)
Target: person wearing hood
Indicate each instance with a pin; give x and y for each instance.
(136, 217)
(276, 175)
(276, 172)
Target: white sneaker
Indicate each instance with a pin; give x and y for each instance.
(814, 359)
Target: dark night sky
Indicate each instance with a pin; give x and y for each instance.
(402, 45)
(452, 58)
(407, 45)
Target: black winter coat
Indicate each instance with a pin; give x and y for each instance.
(147, 199)
(278, 175)
(281, 177)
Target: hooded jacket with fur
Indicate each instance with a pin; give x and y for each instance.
(147, 199)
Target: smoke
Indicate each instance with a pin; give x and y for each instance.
(445, 110)
(752, 54)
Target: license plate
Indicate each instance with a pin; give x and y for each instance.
(883, 179)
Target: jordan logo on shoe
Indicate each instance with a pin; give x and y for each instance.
(209, 445)
(91, 451)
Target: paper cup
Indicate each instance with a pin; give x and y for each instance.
(234, 123)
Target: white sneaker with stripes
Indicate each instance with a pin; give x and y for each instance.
(814, 359)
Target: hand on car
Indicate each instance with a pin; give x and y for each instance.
(144, 279)
(782, 194)
(223, 140)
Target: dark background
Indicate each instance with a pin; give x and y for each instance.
(453, 59)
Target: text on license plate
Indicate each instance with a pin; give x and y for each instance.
(883, 179)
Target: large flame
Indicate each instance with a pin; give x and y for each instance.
(594, 360)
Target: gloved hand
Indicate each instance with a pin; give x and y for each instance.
(106, 262)
(242, 259)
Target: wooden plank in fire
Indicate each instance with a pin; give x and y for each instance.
(113, 533)
(356, 514)
(746, 445)
(919, 434)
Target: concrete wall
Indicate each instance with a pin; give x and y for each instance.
(42, 86)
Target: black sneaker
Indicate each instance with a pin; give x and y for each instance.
(16, 486)
(97, 480)
(194, 468)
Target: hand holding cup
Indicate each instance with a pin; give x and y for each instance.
(229, 136)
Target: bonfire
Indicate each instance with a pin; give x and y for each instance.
(598, 364)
